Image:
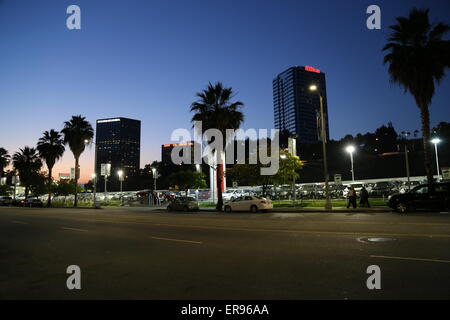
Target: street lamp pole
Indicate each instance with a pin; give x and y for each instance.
(328, 205)
(120, 174)
(435, 141)
(351, 149)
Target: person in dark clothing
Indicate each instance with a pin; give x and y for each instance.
(351, 198)
(364, 198)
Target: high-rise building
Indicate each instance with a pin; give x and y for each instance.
(296, 108)
(118, 142)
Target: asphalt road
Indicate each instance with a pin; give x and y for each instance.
(132, 253)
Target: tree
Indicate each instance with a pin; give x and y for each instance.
(417, 58)
(188, 180)
(4, 160)
(5, 190)
(216, 111)
(51, 148)
(77, 134)
(27, 162)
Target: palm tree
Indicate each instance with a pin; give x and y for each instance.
(51, 148)
(4, 160)
(417, 58)
(216, 111)
(77, 133)
(27, 162)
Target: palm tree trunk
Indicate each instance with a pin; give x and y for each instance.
(425, 117)
(75, 203)
(49, 200)
(219, 187)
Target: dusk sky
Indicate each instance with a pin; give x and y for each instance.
(146, 60)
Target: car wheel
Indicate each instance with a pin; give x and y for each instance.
(401, 207)
(254, 209)
(232, 198)
(227, 209)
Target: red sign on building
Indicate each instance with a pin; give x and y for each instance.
(311, 69)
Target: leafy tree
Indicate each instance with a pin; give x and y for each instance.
(417, 58)
(288, 170)
(51, 148)
(216, 111)
(5, 190)
(77, 133)
(188, 180)
(4, 160)
(38, 185)
(27, 162)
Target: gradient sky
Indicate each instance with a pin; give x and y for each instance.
(147, 59)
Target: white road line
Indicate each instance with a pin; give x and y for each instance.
(178, 240)
(20, 222)
(75, 229)
(412, 259)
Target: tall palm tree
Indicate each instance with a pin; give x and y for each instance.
(417, 58)
(77, 133)
(4, 160)
(51, 148)
(27, 162)
(216, 111)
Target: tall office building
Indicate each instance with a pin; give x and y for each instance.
(296, 108)
(118, 141)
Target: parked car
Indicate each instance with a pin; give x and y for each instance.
(6, 201)
(382, 189)
(183, 204)
(423, 197)
(248, 203)
(31, 202)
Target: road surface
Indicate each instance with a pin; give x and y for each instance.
(133, 253)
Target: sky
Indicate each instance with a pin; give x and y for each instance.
(146, 59)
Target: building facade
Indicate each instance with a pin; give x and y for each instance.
(296, 108)
(118, 142)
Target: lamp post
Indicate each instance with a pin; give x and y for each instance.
(406, 134)
(94, 175)
(328, 205)
(120, 174)
(351, 149)
(435, 141)
(154, 173)
(94, 179)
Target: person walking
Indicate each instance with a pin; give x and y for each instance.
(364, 198)
(351, 198)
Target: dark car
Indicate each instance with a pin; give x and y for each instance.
(183, 204)
(423, 197)
(6, 201)
(31, 203)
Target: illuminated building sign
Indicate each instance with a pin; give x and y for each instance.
(311, 69)
(108, 120)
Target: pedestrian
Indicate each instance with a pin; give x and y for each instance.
(364, 198)
(351, 198)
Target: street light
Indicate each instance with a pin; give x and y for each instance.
(314, 88)
(94, 179)
(351, 149)
(435, 141)
(120, 174)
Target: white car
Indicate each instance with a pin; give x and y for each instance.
(248, 203)
(232, 194)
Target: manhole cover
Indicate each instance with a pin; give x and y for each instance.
(375, 239)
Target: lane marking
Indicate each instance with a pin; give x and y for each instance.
(411, 259)
(177, 240)
(19, 222)
(75, 229)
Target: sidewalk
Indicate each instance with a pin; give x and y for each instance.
(318, 209)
